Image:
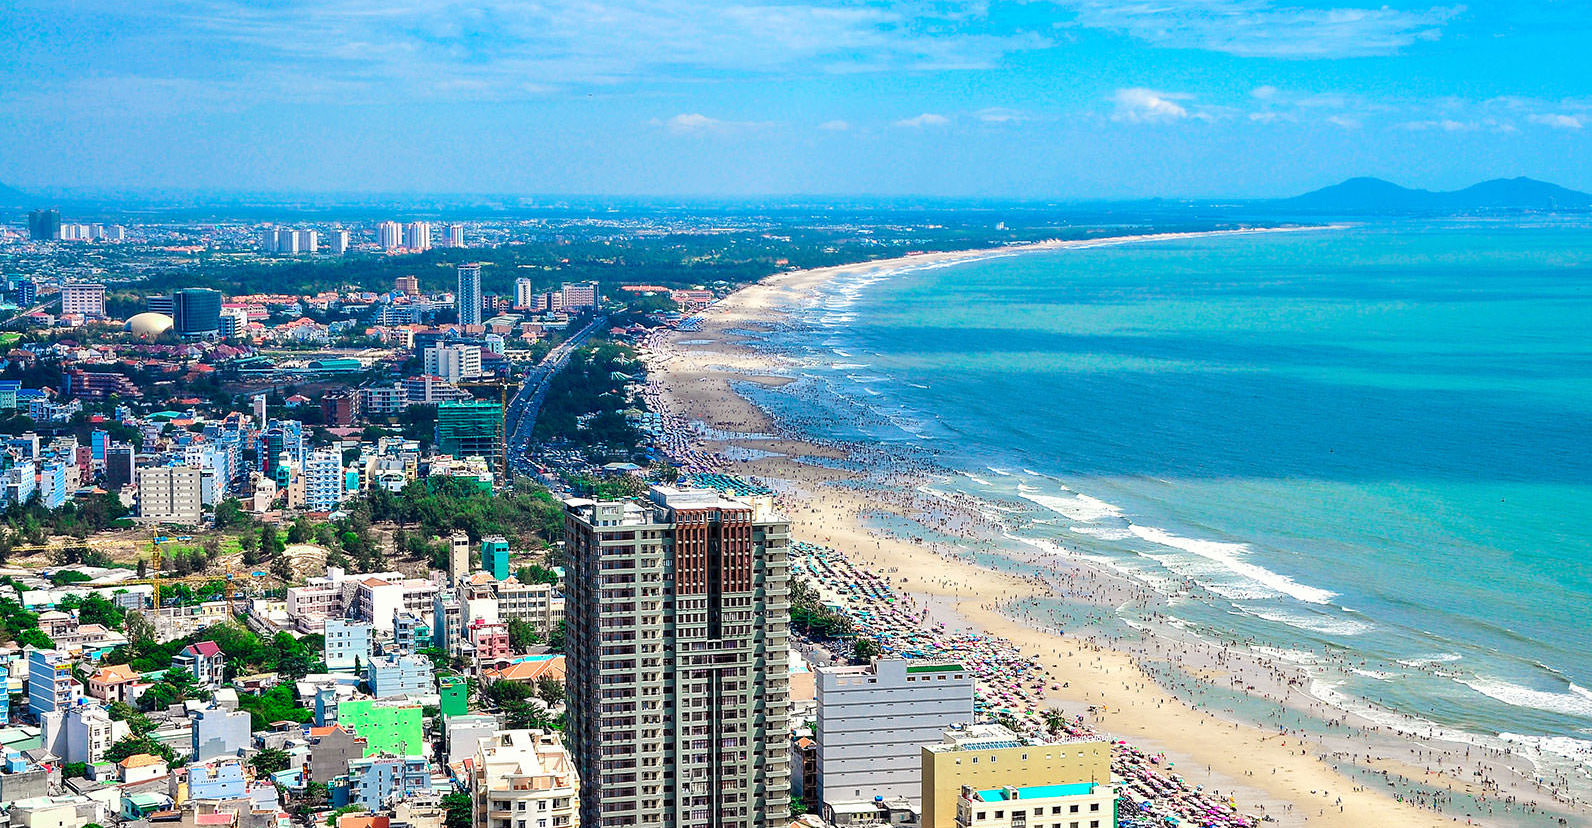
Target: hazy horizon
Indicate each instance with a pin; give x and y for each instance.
(1068, 100)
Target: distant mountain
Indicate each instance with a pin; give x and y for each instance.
(1373, 195)
(12, 197)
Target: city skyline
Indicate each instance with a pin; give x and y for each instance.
(1075, 99)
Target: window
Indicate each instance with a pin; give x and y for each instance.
(1094, 806)
(1094, 823)
(981, 815)
(1074, 809)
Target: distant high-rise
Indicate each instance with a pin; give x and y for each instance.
(287, 241)
(338, 241)
(455, 235)
(83, 297)
(677, 612)
(44, 225)
(307, 241)
(417, 236)
(27, 293)
(390, 234)
(407, 284)
(468, 299)
(524, 291)
(196, 313)
(268, 240)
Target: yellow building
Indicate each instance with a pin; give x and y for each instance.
(983, 757)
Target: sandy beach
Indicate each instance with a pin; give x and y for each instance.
(1162, 694)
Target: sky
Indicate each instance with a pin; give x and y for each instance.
(1034, 99)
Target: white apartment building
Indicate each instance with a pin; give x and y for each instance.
(417, 236)
(307, 241)
(524, 293)
(540, 604)
(347, 644)
(84, 298)
(323, 480)
(525, 778)
(453, 363)
(390, 234)
(874, 720)
(170, 494)
(455, 235)
(337, 240)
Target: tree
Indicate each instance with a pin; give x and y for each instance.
(137, 722)
(555, 637)
(316, 795)
(458, 807)
(36, 639)
(865, 650)
(269, 761)
(230, 514)
(74, 770)
(550, 690)
(130, 745)
(522, 635)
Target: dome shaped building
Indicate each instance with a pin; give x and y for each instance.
(148, 324)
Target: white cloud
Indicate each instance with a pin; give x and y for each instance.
(695, 123)
(999, 115)
(1146, 106)
(1262, 28)
(927, 119)
(1557, 121)
(835, 126)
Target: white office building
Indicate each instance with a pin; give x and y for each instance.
(83, 298)
(453, 363)
(874, 720)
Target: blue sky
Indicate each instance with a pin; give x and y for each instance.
(1034, 99)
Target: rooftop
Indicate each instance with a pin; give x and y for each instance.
(1035, 792)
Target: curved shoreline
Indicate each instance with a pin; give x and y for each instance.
(696, 381)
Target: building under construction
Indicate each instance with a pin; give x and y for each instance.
(470, 429)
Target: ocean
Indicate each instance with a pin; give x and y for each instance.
(1367, 450)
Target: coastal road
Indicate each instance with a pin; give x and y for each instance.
(521, 416)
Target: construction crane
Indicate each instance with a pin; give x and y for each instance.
(503, 385)
(229, 577)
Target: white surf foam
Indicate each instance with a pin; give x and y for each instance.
(979, 480)
(1228, 556)
(1428, 661)
(1079, 507)
(1110, 533)
(1313, 623)
(1576, 701)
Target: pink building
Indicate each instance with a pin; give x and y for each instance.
(491, 640)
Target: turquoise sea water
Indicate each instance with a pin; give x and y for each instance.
(1368, 448)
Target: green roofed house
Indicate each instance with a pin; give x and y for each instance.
(393, 728)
